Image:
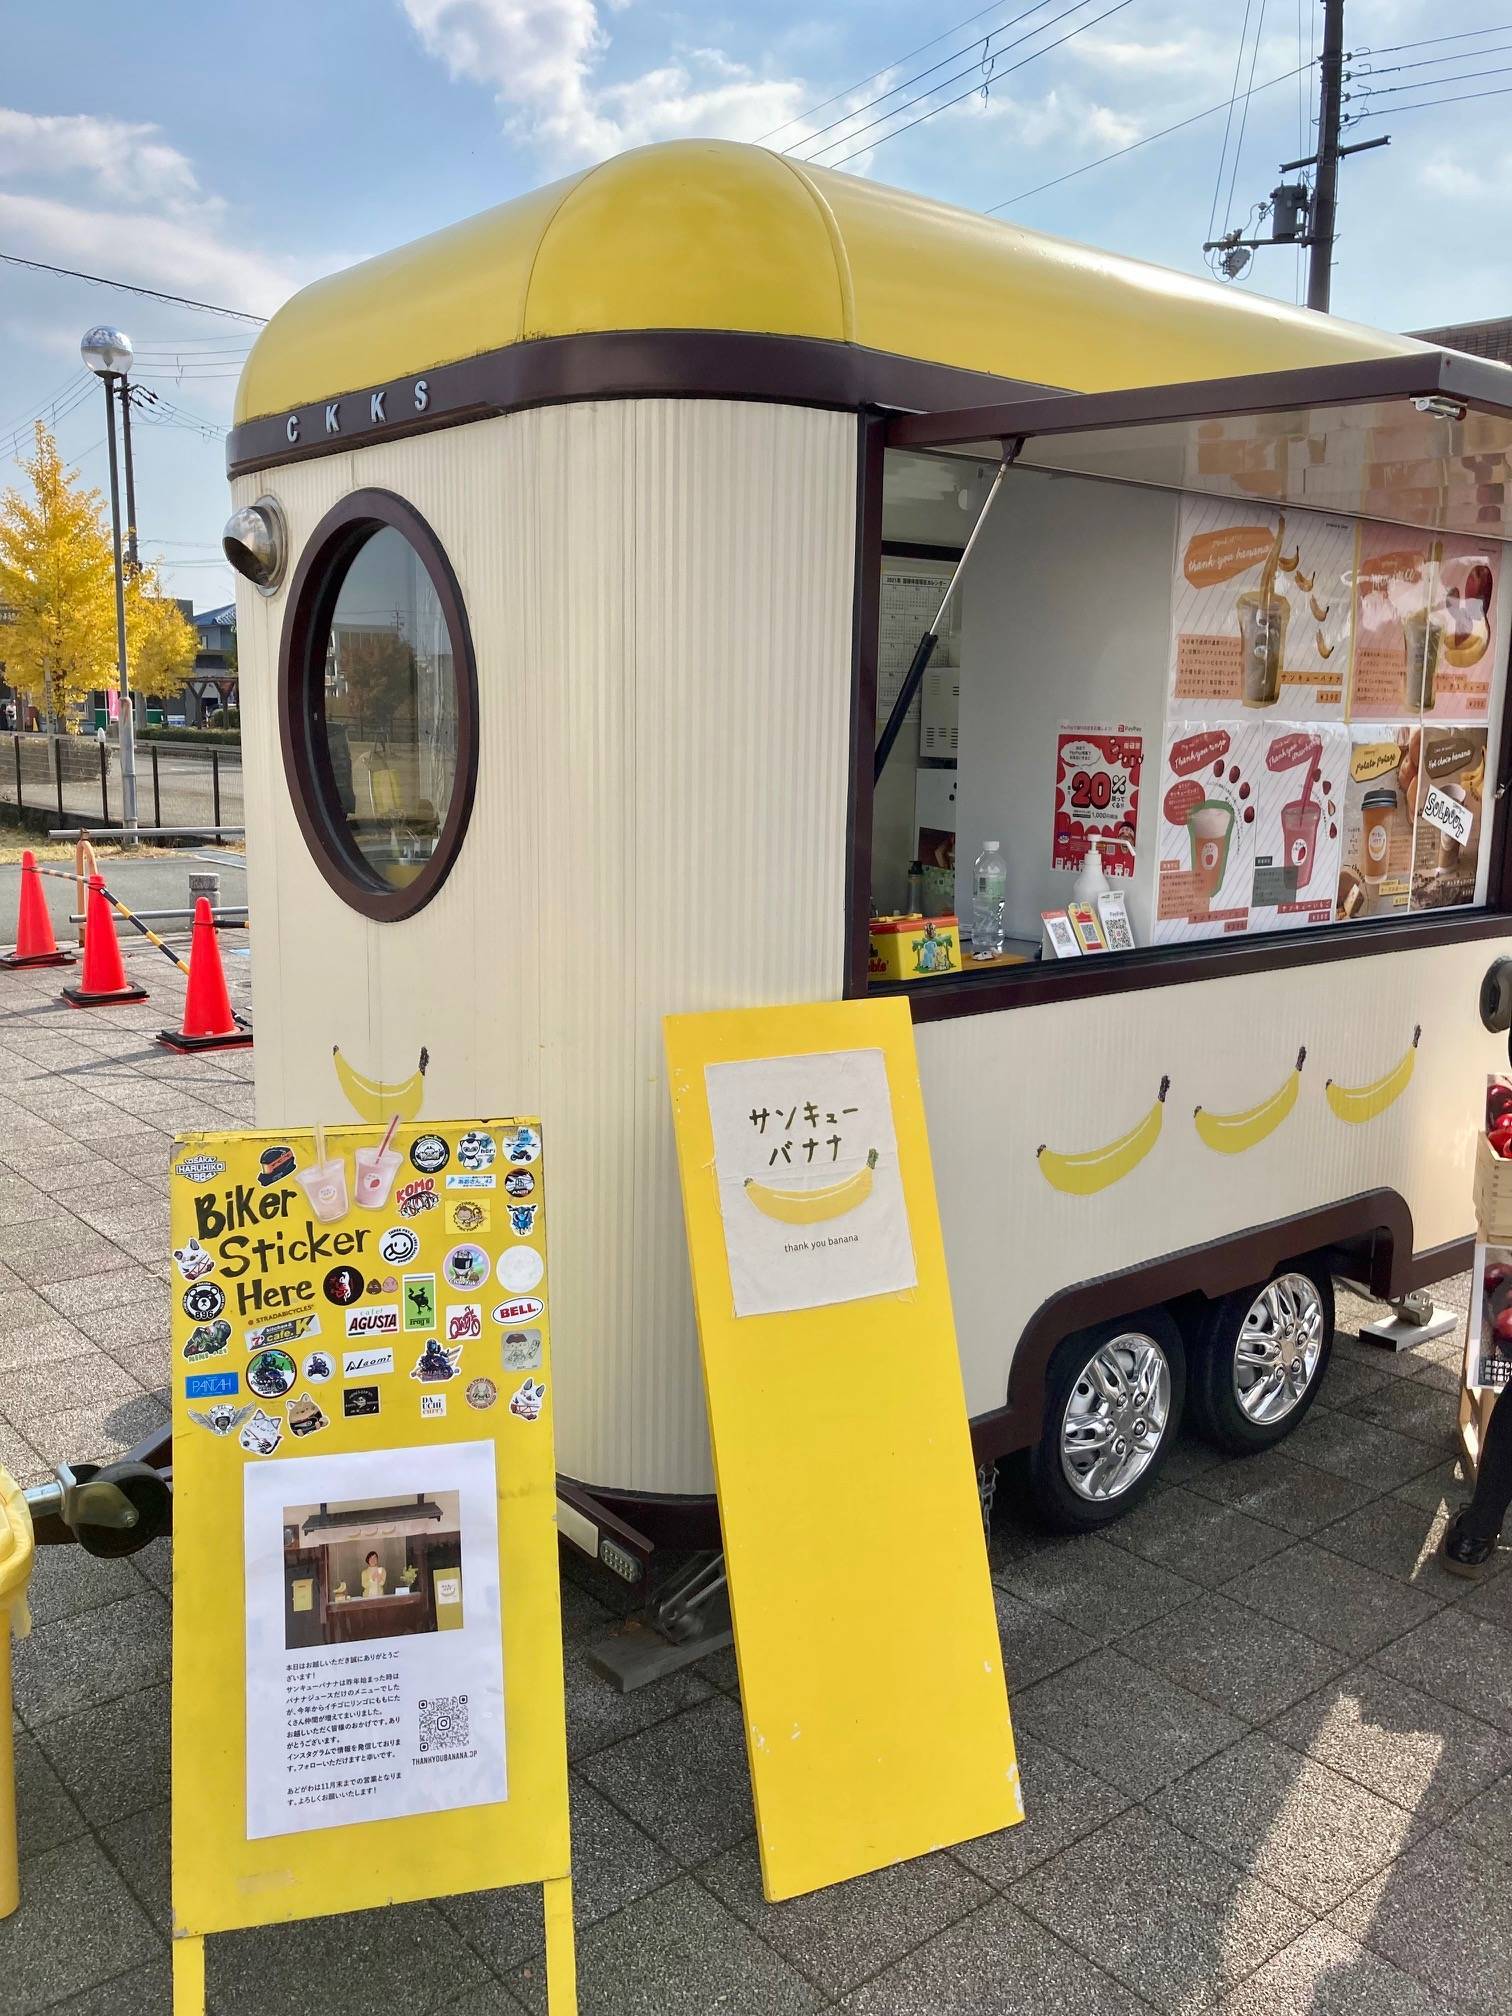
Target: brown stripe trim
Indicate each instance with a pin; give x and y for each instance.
(665, 1518)
(1043, 981)
(614, 364)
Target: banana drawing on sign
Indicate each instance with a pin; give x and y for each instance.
(376, 1102)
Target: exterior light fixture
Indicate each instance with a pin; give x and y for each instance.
(1437, 407)
(107, 352)
(256, 542)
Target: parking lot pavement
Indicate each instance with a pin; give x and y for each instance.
(1266, 1742)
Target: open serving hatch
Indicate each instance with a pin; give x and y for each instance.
(1420, 440)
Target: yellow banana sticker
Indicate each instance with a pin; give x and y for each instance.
(807, 1207)
(1358, 1103)
(1232, 1133)
(376, 1102)
(1081, 1175)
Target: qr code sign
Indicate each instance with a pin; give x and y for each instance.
(443, 1723)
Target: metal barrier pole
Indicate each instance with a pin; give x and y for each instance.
(157, 797)
(215, 782)
(104, 782)
(58, 773)
(20, 800)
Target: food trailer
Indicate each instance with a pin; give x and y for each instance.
(587, 546)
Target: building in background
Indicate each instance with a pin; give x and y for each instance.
(212, 685)
(1480, 339)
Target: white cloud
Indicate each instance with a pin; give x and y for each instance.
(127, 161)
(542, 60)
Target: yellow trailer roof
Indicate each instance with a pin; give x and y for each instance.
(710, 235)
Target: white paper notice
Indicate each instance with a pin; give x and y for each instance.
(809, 1186)
(375, 1665)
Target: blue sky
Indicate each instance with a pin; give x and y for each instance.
(232, 153)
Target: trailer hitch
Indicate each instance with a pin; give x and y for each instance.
(109, 1509)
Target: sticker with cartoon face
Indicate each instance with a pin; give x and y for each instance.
(519, 1183)
(204, 1301)
(208, 1341)
(522, 1219)
(305, 1416)
(437, 1363)
(521, 1350)
(429, 1153)
(192, 1260)
(529, 1399)
(271, 1373)
(466, 1266)
(475, 1150)
(522, 1144)
(398, 1246)
(262, 1434)
(520, 1268)
(224, 1418)
(318, 1367)
(467, 1215)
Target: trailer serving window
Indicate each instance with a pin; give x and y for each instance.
(1244, 643)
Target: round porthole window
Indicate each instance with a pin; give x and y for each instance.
(378, 705)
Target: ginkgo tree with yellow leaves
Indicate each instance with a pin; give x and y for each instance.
(57, 574)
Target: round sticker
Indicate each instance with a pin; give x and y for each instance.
(481, 1393)
(270, 1374)
(466, 1266)
(522, 1144)
(475, 1150)
(398, 1245)
(318, 1367)
(204, 1301)
(429, 1153)
(342, 1285)
(520, 1267)
(519, 1183)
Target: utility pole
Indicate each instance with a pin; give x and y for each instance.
(1300, 216)
(1325, 201)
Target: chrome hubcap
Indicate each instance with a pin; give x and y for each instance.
(1115, 1417)
(1280, 1342)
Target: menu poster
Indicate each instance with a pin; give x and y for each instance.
(1423, 625)
(1375, 865)
(1205, 833)
(1260, 610)
(1298, 795)
(1451, 787)
(1097, 796)
(1489, 1361)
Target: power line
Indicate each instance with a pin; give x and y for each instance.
(1228, 123)
(1118, 152)
(1070, 35)
(1418, 105)
(1432, 83)
(1430, 62)
(1432, 41)
(808, 139)
(1249, 92)
(907, 57)
(129, 287)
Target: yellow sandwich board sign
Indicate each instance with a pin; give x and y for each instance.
(367, 1674)
(829, 1355)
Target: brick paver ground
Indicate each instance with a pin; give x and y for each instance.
(1266, 1742)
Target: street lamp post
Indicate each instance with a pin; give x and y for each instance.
(108, 353)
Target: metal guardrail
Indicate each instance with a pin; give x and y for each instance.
(69, 775)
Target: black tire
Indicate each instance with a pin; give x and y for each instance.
(1067, 1506)
(150, 1494)
(1218, 1413)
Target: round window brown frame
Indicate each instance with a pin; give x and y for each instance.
(313, 595)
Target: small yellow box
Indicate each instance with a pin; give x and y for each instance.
(914, 948)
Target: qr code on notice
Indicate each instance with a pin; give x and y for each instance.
(443, 1723)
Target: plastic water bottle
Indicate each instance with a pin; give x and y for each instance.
(989, 890)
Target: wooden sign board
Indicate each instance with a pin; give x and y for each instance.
(367, 1674)
(870, 1671)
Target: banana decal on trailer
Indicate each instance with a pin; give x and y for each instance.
(1232, 1133)
(1358, 1103)
(376, 1102)
(1081, 1175)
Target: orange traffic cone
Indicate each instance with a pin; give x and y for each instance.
(104, 976)
(208, 1021)
(35, 943)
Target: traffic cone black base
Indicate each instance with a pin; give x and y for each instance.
(173, 1039)
(56, 958)
(81, 997)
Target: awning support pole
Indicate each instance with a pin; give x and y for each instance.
(919, 664)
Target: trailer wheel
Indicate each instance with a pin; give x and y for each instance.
(1260, 1357)
(1113, 1399)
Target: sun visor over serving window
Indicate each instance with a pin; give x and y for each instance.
(1418, 440)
